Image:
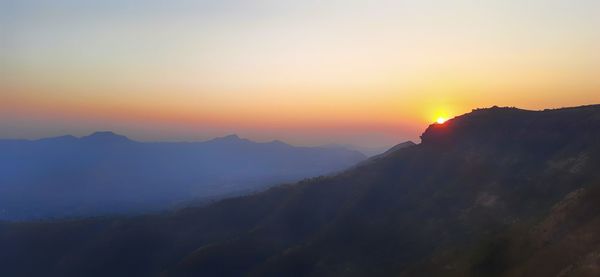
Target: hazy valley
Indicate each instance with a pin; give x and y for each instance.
(106, 173)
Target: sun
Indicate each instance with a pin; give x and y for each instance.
(440, 120)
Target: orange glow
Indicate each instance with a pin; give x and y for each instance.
(294, 72)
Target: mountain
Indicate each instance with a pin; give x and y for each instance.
(392, 150)
(495, 192)
(105, 137)
(106, 173)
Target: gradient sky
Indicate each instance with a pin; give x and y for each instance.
(308, 72)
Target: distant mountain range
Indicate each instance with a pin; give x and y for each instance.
(495, 192)
(106, 173)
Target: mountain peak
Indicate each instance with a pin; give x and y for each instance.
(400, 146)
(278, 142)
(500, 125)
(106, 136)
(392, 150)
(228, 139)
(231, 137)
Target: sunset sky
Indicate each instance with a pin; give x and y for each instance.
(370, 73)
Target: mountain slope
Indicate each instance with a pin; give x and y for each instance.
(496, 192)
(107, 173)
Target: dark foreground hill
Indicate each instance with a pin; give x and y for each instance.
(496, 192)
(109, 173)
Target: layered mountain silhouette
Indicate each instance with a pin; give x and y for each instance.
(109, 173)
(495, 192)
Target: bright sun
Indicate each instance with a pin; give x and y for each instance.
(441, 120)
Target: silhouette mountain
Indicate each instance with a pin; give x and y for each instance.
(106, 137)
(107, 173)
(495, 192)
(393, 149)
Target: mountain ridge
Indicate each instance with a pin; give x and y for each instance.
(105, 173)
(496, 192)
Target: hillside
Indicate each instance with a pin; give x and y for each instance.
(106, 173)
(495, 192)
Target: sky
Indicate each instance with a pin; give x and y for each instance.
(369, 73)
